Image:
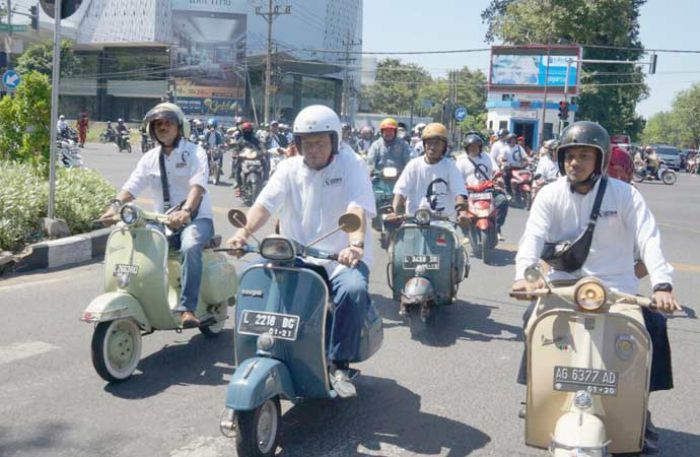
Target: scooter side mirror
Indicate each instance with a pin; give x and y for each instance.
(349, 222)
(237, 218)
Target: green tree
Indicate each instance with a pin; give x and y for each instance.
(39, 57)
(662, 127)
(686, 110)
(25, 122)
(470, 93)
(396, 86)
(609, 92)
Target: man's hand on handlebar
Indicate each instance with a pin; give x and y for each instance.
(523, 285)
(350, 256)
(665, 302)
(177, 219)
(237, 243)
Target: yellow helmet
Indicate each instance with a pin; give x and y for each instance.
(435, 130)
(388, 123)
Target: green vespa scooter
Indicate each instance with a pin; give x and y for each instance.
(142, 289)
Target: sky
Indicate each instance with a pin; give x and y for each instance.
(413, 25)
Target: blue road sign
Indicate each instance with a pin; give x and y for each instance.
(11, 79)
(460, 113)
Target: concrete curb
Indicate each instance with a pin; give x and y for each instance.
(65, 251)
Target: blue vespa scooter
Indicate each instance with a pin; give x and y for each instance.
(427, 263)
(283, 321)
(383, 186)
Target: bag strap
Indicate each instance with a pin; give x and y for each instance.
(595, 212)
(164, 180)
(477, 169)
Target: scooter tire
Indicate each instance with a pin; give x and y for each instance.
(116, 349)
(669, 178)
(638, 177)
(485, 249)
(248, 441)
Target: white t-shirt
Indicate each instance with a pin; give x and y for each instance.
(513, 155)
(497, 149)
(186, 166)
(311, 201)
(548, 168)
(418, 175)
(466, 167)
(625, 227)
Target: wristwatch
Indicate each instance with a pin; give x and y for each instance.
(663, 287)
(357, 244)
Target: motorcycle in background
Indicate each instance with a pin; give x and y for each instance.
(215, 156)
(383, 186)
(68, 153)
(482, 214)
(521, 186)
(252, 174)
(664, 174)
(124, 142)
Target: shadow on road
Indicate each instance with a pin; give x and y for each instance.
(460, 321)
(384, 419)
(678, 443)
(192, 362)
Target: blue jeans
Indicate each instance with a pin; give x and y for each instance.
(191, 242)
(350, 295)
(501, 202)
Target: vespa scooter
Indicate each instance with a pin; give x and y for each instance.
(427, 263)
(142, 289)
(521, 184)
(482, 214)
(383, 185)
(588, 368)
(252, 174)
(283, 321)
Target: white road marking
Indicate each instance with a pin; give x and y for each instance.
(19, 351)
(205, 446)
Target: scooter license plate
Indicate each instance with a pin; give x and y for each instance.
(125, 269)
(431, 262)
(481, 196)
(597, 382)
(282, 326)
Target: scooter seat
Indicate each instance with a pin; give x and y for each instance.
(214, 242)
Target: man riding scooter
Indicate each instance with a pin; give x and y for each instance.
(389, 150)
(625, 225)
(310, 191)
(181, 192)
(512, 157)
(215, 140)
(122, 134)
(247, 139)
(476, 166)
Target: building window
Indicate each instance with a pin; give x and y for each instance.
(503, 125)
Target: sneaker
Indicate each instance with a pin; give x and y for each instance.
(341, 383)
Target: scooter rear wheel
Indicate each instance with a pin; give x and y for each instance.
(259, 429)
(669, 178)
(116, 349)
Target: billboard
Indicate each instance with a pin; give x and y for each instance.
(524, 68)
(208, 56)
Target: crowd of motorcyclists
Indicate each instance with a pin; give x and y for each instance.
(313, 172)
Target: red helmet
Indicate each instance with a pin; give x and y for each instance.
(621, 165)
(246, 127)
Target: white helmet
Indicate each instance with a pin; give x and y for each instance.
(318, 119)
(418, 128)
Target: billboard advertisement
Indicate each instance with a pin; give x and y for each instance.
(524, 68)
(208, 56)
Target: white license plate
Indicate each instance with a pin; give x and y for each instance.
(282, 326)
(481, 196)
(597, 382)
(125, 269)
(431, 262)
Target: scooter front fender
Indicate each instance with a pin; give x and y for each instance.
(579, 430)
(418, 290)
(256, 380)
(115, 305)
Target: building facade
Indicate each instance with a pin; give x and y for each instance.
(209, 56)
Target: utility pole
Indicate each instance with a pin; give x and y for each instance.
(8, 43)
(270, 15)
(345, 105)
(544, 104)
(452, 84)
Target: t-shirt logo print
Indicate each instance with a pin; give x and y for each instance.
(334, 181)
(437, 193)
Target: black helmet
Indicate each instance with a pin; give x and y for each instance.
(473, 138)
(169, 111)
(585, 133)
(502, 132)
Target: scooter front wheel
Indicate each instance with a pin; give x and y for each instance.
(668, 178)
(259, 429)
(116, 349)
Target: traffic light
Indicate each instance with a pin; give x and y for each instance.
(563, 110)
(34, 15)
(652, 64)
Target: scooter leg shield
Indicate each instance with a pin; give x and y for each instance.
(115, 305)
(256, 380)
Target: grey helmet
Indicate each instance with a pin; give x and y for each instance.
(585, 133)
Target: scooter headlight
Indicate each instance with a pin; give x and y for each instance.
(277, 248)
(390, 172)
(533, 273)
(129, 214)
(590, 295)
(423, 216)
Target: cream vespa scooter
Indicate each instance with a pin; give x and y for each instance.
(588, 368)
(142, 290)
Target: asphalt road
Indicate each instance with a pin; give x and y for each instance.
(449, 394)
